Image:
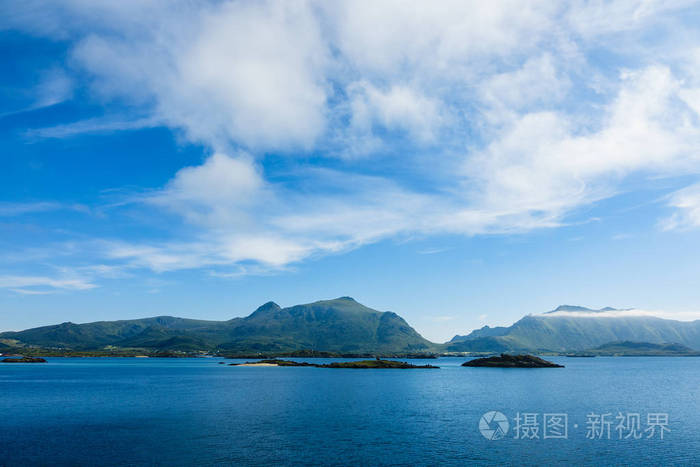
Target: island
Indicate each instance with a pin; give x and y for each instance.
(512, 361)
(362, 364)
(23, 360)
(643, 349)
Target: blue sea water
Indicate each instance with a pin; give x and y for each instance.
(99, 411)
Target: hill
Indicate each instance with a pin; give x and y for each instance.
(340, 325)
(628, 348)
(344, 326)
(573, 328)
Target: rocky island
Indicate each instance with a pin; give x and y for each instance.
(362, 364)
(23, 360)
(512, 361)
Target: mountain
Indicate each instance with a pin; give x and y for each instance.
(576, 308)
(574, 328)
(340, 325)
(628, 348)
(343, 325)
(101, 333)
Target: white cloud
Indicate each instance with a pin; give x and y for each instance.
(30, 292)
(686, 202)
(629, 313)
(18, 209)
(27, 283)
(243, 72)
(432, 251)
(216, 193)
(10, 209)
(93, 125)
(596, 18)
(397, 108)
(479, 117)
(537, 83)
(263, 74)
(397, 38)
(546, 164)
(55, 87)
(239, 217)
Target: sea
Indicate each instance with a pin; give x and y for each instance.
(180, 412)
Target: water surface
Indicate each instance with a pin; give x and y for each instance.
(100, 411)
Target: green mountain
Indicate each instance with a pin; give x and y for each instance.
(345, 326)
(101, 333)
(628, 348)
(340, 325)
(570, 328)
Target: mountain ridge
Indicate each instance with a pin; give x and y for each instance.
(344, 326)
(565, 329)
(339, 325)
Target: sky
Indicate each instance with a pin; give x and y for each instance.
(458, 163)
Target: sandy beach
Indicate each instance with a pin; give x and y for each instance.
(257, 364)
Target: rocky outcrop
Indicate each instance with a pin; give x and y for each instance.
(24, 360)
(512, 361)
(367, 364)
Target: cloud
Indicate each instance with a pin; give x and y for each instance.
(591, 19)
(238, 216)
(629, 313)
(472, 118)
(270, 75)
(537, 83)
(244, 72)
(395, 38)
(55, 87)
(686, 202)
(272, 252)
(10, 209)
(398, 108)
(30, 292)
(540, 168)
(43, 284)
(216, 193)
(91, 126)
(432, 251)
(545, 163)
(18, 209)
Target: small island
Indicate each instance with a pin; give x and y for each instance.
(512, 361)
(643, 349)
(23, 360)
(362, 364)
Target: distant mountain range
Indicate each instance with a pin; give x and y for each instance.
(341, 325)
(344, 326)
(575, 328)
(642, 349)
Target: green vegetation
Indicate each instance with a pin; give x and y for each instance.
(341, 326)
(379, 364)
(628, 348)
(559, 333)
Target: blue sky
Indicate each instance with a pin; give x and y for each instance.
(460, 164)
